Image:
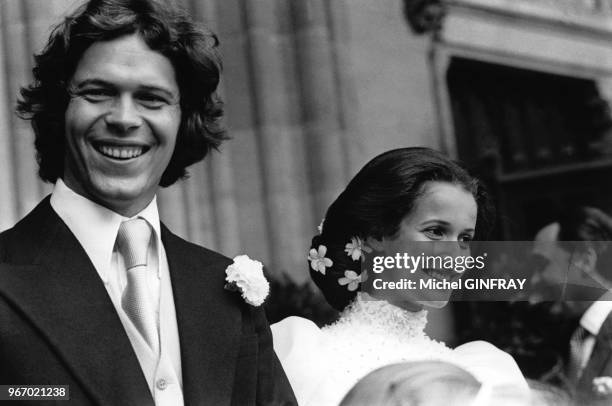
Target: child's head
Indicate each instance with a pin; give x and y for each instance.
(434, 383)
(420, 383)
(407, 194)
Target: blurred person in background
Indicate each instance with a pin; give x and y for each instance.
(574, 255)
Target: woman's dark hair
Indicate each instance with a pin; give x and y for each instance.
(191, 49)
(375, 202)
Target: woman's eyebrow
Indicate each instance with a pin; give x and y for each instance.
(435, 221)
(444, 223)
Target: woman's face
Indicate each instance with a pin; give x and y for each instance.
(441, 224)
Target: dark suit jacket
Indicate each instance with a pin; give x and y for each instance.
(599, 364)
(58, 325)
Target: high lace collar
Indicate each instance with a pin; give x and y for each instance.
(382, 316)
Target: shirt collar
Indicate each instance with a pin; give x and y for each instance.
(95, 226)
(596, 315)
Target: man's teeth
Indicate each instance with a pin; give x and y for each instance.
(121, 152)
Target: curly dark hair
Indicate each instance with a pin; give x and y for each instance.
(191, 49)
(375, 202)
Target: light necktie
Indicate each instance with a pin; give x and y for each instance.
(577, 354)
(133, 244)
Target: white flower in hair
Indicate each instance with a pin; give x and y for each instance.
(246, 275)
(356, 248)
(320, 226)
(317, 259)
(352, 279)
(602, 385)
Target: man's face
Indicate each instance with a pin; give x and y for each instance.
(556, 265)
(558, 268)
(121, 124)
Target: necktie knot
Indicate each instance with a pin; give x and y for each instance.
(133, 242)
(580, 334)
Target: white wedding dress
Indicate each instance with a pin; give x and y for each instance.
(323, 364)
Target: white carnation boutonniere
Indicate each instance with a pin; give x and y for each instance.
(246, 276)
(602, 385)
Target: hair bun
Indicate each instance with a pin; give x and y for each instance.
(338, 296)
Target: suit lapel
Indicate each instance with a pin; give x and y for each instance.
(208, 320)
(600, 362)
(84, 330)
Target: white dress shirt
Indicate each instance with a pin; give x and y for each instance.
(96, 228)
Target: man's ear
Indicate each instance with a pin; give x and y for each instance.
(376, 245)
(586, 261)
(591, 259)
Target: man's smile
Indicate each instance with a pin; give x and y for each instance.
(120, 151)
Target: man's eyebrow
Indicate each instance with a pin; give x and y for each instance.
(91, 82)
(168, 92)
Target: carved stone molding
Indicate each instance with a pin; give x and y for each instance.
(425, 15)
(580, 12)
(576, 7)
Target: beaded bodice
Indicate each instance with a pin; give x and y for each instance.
(371, 334)
(383, 318)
